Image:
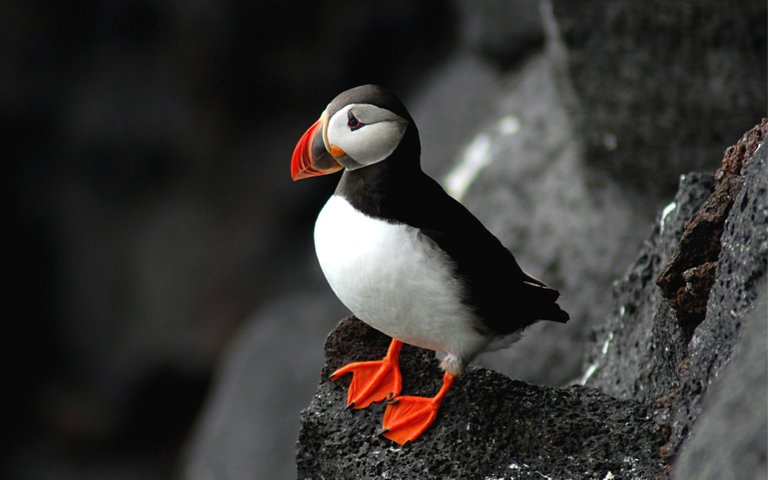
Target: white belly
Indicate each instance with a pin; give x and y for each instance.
(394, 279)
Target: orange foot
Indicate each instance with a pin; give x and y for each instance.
(408, 417)
(373, 381)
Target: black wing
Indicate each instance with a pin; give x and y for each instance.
(504, 296)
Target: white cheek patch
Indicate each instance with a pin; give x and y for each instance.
(371, 143)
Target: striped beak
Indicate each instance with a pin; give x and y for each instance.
(310, 157)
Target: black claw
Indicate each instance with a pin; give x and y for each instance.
(382, 431)
(350, 406)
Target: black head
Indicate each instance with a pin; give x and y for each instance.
(372, 95)
(361, 127)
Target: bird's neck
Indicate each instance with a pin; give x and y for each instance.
(372, 188)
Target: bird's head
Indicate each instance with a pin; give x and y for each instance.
(360, 127)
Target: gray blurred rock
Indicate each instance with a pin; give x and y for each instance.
(502, 31)
(451, 106)
(251, 420)
(664, 86)
(488, 427)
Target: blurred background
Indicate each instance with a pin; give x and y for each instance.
(167, 314)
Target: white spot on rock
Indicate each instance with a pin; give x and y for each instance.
(475, 158)
(607, 344)
(509, 125)
(588, 374)
(665, 213)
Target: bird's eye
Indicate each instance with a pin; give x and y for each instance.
(352, 122)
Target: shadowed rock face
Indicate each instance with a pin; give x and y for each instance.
(488, 426)
(647, 351)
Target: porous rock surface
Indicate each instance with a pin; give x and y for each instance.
(730, 440)
(647, 352)
(489, 426)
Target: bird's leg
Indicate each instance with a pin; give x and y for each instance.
(408, 417)
(373, 381)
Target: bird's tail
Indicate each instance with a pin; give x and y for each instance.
(547, 296)
(554, 313)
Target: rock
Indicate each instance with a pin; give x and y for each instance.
(729, 440)
(645, 352)
(741, 272)
(502, 31)
(687, 277)
(640, 345)
(250, 423)
(488, 427)
(663, 87)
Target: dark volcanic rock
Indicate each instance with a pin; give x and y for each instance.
(488, 426)
(729, 441)
(644, 352)
(687, 277)
(639, 347)
(741, 273)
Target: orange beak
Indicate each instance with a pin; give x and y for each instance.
(310, 157)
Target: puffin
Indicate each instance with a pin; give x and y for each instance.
(407, 258)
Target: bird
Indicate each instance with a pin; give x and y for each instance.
(408, 259)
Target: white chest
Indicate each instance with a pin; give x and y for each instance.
(393, 278)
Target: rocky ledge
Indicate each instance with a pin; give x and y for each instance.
(673, 366)
(489, 426)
